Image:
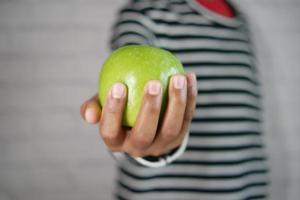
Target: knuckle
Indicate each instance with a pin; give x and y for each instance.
(114, 108)
(179, 100)
(169, 134)
(152, 109)
(107, 130)
(109, 136)
(141, 142)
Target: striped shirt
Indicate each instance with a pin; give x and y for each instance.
(224, 158)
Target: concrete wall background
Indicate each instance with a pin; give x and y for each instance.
(50, 53)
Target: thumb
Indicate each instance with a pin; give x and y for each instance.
(90, 110)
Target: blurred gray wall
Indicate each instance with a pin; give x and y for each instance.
(50, 54)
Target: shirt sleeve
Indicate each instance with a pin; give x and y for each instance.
(133, 27)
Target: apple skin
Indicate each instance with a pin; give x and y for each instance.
(134, 66)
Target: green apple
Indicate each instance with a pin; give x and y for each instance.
(134, 66)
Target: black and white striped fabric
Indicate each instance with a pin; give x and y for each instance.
(224, 158)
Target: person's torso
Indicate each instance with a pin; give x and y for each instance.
(225, 155)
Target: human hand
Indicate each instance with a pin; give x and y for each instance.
(147, 137)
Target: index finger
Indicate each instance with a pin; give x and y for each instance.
(110, 124)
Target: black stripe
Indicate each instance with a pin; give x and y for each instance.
(143, 10)
(223, 133)
(194, 190)
(219, 65)
(197, 36)
(216, 64)
(119, 197)
(130, 43)
(179, 2)
(185, 24)
(226, 91)
(223, 148)
(128, 21)
(227, 105)
(128, 33)
(194, 176)
(220, 77)
(224, 119)
(219, 162)
(147, 9)
(261, 196)
(115, 46)
(192, 25)
(208, 50)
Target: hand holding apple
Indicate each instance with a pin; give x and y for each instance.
(134, 66)
(153, 132)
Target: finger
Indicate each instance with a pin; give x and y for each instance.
(90, 110)
(173, 118)
(192, 93)
(144, 130)
(189, 111)
(111, 118)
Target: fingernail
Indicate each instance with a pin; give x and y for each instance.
(89, 115)
(179, 82)
(154, 87)
(191, 79)
(117, 90)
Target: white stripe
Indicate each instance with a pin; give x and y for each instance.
(194, 169)
(173, 30)
(191, 183)
(142, 19)
(227, 98)
(227, 84)
(191, 195)
(124, 28)
(180, 8)
(144, 4)
(227, 112)
(202, 43)
(221, 71)
(215, 156)
(176, 1)
(214, 57)
(121, 41)
(150, 4)
(225, 127)
(171, 17)
(196, 31)
(191, 18)
(224, 141)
